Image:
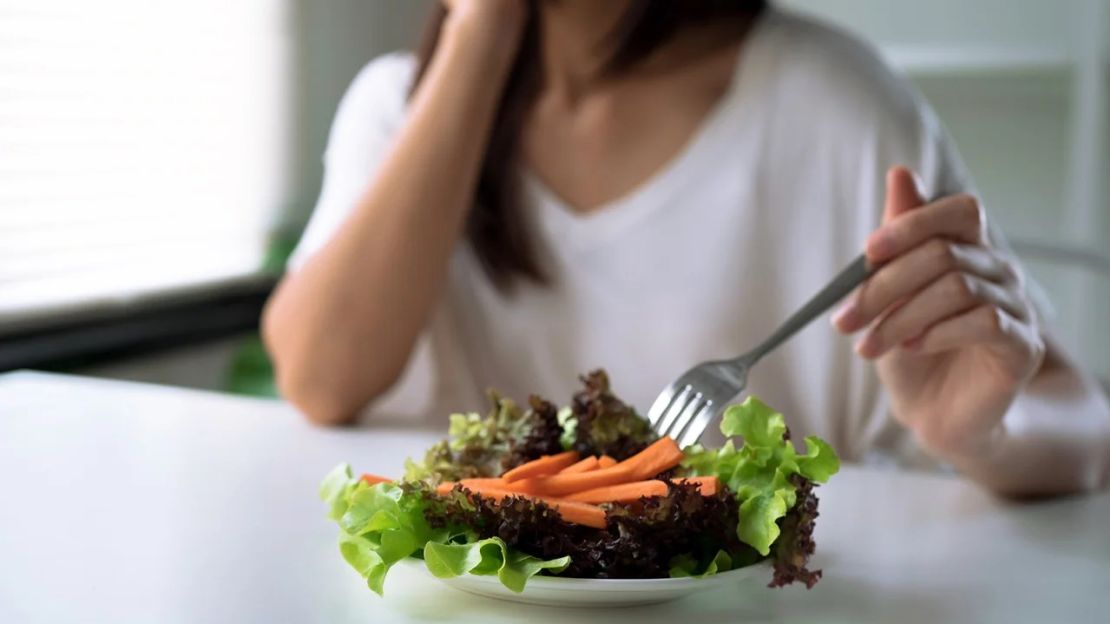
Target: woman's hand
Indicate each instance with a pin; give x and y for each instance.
(946, 318)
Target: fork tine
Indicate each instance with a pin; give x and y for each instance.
(662, 402)
(688, 412)
(698, 425)
(674, 409)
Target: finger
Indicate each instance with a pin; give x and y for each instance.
(949, 295)
(984, 324)
(957, 217)
(902, 192)
(905, 275)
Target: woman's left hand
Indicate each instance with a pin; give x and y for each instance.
(946, 318)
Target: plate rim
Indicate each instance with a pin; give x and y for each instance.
(556, 583)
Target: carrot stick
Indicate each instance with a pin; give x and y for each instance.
(579, 513)
(372, 479)
(548, 464)
(621, 493)
(570, 511)
(561, 484)
(661, 455)
(586, 465)
(524, 486)
(707, 486)
(605, 461)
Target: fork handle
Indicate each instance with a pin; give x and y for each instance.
(846, 281)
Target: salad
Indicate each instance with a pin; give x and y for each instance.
(588, 491)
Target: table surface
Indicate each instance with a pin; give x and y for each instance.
(134, 503)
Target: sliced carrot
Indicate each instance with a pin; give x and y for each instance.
(660, 455)
(579, 513)
(573, 512)
(546, 465)
(621, 493)
(524, 486)
(707, 486)
(585, 465)
(561, 484)
(372, 479)
(605, 461)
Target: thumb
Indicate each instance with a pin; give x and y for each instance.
(902, 192)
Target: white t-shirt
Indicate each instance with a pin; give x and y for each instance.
(768, 200)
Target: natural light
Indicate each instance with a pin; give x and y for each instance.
(143, 147)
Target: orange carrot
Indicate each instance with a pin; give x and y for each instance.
(579, 513)
(560, 484)
(372, 479)
(707, 486)
(605, 461)
(661, 455)
(586, 465)
(524, 486)
(573, 512)
(548, 464)
(621, 493)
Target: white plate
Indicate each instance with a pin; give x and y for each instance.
(557, 591)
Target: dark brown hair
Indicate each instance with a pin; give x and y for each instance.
(495, 227)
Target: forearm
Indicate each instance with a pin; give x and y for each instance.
(342, 327)
(1055, 439)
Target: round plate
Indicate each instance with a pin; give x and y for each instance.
(557, 591)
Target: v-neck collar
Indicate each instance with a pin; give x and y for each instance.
(560, 223)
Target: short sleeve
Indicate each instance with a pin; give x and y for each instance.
(368, 117)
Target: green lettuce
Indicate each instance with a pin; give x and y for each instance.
(384, 523)
(488, 557)
(759, 471)
(379, 524)
(687, 565)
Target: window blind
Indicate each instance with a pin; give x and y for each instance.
(144, 147)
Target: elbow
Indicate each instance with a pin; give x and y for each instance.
(319, 404)
(324, 388)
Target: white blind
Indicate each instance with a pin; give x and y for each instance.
(143, 146)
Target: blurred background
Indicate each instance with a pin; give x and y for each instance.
(158, 160)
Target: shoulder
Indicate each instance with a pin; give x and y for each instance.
(841, 81)
(379, 92)
(831, 101)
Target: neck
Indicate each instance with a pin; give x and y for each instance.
(573, 35)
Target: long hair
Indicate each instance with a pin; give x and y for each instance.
(496, 228)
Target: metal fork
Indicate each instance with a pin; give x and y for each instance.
(686, 407)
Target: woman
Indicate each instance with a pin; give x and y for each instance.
(645, 184)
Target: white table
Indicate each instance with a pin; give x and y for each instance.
(132, 503)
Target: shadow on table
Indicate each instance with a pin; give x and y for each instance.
(1060, 524)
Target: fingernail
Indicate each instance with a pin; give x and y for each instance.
(846, 317)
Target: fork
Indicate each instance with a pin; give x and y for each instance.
(686, 407)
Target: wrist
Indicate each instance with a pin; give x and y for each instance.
(492, 28)
(978, 448)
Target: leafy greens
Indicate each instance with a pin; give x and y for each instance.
(764, 509)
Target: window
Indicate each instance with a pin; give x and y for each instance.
(144, 148)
